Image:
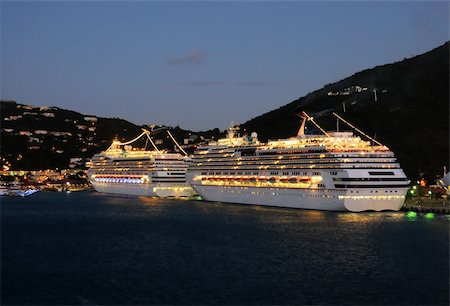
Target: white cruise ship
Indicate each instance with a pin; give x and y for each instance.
(336, 171)
(122, 169)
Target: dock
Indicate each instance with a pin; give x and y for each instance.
(426, 205)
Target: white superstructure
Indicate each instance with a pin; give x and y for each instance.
(336, 171)
(122, 169)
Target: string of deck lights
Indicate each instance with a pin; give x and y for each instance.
(112, 179)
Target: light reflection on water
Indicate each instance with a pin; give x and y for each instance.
(368, 217)
(112, 249)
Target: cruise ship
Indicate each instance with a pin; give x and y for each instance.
(122, 169)
(336, 171)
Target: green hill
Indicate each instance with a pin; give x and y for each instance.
(404, 105)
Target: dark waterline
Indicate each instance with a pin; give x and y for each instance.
(91, 248)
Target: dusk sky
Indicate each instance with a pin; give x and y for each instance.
(201, 64)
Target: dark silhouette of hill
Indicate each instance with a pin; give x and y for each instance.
(405, 105)
(34, 138)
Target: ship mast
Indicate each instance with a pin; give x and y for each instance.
(144, 132)
(358, 130)
(147, 133)
(176, 143)
(305, 117)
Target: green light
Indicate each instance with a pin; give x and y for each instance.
(429, 216)
(411, 214)
(414, 187)
(429, 192)
(411, 191)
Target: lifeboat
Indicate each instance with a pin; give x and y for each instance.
(304, 180)
(272, 180)
(284, 179)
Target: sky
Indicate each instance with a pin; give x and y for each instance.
(200, 64)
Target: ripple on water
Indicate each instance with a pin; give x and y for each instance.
(91, 248)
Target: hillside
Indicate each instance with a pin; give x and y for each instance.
(405, 105)
(50, 137)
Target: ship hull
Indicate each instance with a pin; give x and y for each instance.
(300, 198)
(289, 198)
(127, 189)
(151, 190)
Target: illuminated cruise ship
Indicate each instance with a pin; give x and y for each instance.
(122, 169)
(335, 171)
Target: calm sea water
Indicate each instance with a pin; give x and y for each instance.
(91, 248)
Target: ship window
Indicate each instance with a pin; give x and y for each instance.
(381, 173)
(248, 152)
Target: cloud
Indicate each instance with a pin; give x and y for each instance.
(257, 83)
(194, 57)
(202, 83)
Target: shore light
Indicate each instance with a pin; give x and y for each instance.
(429, 216)
(411, 214)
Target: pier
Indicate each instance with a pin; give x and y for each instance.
(426, 205)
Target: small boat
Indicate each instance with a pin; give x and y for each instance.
(17, 190)
(3, 190)
(27, 192)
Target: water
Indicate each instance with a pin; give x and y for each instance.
(91, 248)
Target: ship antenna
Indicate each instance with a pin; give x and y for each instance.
(176, 143)
(358, 130)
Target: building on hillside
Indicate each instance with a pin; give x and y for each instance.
(90, 119)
